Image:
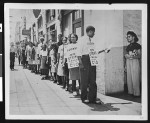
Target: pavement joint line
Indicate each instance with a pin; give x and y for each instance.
(102, 103)
(55, 93)
(34, 94)
(61, 99)
(121, 103)
(17, 93)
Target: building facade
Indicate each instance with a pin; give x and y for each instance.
(111, 28)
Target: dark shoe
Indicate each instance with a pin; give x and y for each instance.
(42, 78)
(55, 81)
(97, 102)
(51, 79)
(63, 87)
(46, 77)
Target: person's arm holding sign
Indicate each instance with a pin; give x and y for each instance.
(106, 50)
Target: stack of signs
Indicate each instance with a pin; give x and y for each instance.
(72, 57)
(93, 57)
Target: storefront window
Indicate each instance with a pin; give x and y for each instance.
(53, 33)
(77, 14)
(78, 22)
(50, 15)
(48, 34)
(47, 16)
(40, 22)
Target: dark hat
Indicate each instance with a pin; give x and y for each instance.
(133, 34)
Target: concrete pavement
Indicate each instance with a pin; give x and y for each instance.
(29, 95)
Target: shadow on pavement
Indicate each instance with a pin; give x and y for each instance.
(126, 96)
(103, 107)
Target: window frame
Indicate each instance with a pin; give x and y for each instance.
(40, 22)
(79, 20)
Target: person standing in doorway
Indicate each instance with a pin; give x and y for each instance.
(133, 64)
(87, 70)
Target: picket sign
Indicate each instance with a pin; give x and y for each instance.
(72, 57)
(73, 60)
(93, 57)
(94, 54)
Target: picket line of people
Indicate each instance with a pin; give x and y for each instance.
(67, 61)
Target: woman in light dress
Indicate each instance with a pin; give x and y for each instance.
(60, 61)
(133, 64)
(53, 56)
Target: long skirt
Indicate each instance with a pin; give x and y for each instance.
(74, 73)
(60, 70)
(12, 60)
(133, 76)
(49, 62)
(53, 68)
(44, 66)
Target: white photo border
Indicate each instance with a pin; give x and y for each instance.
(142, 7)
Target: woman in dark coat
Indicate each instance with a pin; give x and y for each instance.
(12, 56)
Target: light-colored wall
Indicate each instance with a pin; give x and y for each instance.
(131, 21)
(97, 19)
(109, 31)
(114, 76)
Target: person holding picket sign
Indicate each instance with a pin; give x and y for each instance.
(73, 62)
(87, 63)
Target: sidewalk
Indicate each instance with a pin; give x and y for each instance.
(29, 95)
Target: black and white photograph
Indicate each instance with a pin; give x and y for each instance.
(75, 61)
